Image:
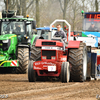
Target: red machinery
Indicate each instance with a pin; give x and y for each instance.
(54, 61)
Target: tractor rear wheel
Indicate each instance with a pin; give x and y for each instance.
(31, 72)
(78, 61)
(35, 53)
(65, 72)
(23, 57)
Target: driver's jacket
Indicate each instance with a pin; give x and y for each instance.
(61, 34)
(92, 28)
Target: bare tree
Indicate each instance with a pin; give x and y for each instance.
(11, 4)
(23, 6)
(96, 5)
(20, 5)
(46, 11)
(37, 13)
(64, 7)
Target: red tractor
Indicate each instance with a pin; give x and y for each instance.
(53, 61)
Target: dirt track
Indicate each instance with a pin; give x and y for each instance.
(18, 87)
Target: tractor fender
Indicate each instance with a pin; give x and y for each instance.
(74, 44)
(38, 43)
(24, 46)
(37, 37)
(34, 38)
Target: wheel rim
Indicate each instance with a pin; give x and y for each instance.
(85, 65)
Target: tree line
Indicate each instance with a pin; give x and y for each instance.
(46, 11)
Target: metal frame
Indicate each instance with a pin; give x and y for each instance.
(61, 20)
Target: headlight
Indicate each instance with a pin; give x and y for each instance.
(5, 41)
(53, 57)
(43, 57)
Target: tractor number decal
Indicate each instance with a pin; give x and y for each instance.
(14, 63)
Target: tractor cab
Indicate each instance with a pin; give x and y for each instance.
(91, 27)
(13, 27)
(17, 25)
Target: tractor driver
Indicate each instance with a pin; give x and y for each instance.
(62, 34)
(92, 27)
(17, 29)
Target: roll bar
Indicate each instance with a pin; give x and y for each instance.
(61, 20)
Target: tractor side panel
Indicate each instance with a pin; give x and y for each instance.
(90, 41)
(98, 59)
(93, 64)
(88, 64)
(38, 43)
(73, 44)
(98, 55)
(12, 48)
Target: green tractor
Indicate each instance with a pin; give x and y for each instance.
(16, 39)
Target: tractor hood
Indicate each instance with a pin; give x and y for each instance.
(41, 42)
(7, 36)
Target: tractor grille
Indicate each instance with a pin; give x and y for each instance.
(48, 43)
(5, 46)
(48, 53)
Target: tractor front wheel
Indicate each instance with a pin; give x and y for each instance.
(31, 72)
(65, 72)
(23, 57)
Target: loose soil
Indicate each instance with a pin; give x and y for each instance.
(17, 87)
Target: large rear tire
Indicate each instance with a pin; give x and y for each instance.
(65, 72)
(78, 61)
(23, 57)
(31, 72)
(35, 53)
